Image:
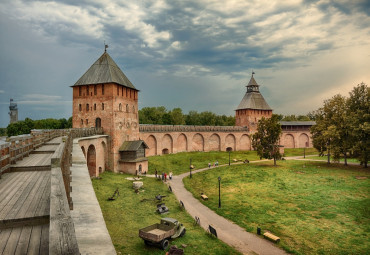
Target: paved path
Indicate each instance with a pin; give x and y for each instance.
(227, 231)
(91, 232)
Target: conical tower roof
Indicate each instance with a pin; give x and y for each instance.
(104, 70)
(253, 99)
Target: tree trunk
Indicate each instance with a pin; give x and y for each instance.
(345, 158)
(274, 160)
(328, 156)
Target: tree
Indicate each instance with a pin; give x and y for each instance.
(359, 109)
(266, 139)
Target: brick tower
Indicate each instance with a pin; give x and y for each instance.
(252, 107)
(104, 97)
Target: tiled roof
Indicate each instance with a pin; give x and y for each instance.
(297, 123)
(104, 70)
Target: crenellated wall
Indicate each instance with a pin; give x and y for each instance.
(164, 139)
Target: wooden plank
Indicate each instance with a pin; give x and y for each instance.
(23, 197)
(7, 187)
(12, 243)
(35, 241)
(4, 236)
(62, 234)
(271, 237)
(44, 247)
(43, 207)
(32, 197)
(9, 201)
(31, 212)
(24, 240)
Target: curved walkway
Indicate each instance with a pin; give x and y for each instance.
(227, 231)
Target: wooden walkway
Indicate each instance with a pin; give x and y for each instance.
(25, 204)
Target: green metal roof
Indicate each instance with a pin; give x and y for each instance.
(104, 70)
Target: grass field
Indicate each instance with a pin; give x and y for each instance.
(180, 162)
(290, 152)
(312, 207)
(325, 158)
(126, 215)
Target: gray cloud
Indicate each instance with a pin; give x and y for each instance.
(197, 55)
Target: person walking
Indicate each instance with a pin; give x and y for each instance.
(209, 165)
(165, 177)
(170, 175)
(156, 173)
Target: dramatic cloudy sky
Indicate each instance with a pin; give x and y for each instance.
(193, 54)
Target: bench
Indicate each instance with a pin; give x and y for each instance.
(271, 237)
(204, 197)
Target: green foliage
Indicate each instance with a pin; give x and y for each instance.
(293, 117)
(266, 139)
(127, 214)
(180, 162)
(25, 127)
(2, 131)
(162, 116)
(343, 125)
(313, 207)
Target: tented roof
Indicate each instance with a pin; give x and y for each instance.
(104, 70)
(253, 100)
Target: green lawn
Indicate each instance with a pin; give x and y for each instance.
(180, 162)
(325, 158)
(312, 207)
(290, 152)
(126, 215)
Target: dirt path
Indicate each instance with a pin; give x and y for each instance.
(227, 231)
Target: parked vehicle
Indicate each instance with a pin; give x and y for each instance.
(160, 233)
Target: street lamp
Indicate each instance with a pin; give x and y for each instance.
(304, 152)
(190, 168)
(219, 192)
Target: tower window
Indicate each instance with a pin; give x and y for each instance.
(82, 122)
(120, 107)
(133, 108)
(117, 90)
(87, 121)
(87, 107)
(87, 90)
(102, 91)
(80, 107)
(80, 91)
(102, 106)
(94, 107)
(127, 108)
(95, 90)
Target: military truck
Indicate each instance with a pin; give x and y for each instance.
(160, 233)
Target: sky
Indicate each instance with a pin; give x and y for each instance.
(193, 54)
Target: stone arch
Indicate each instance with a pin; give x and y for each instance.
(167, 143)
(229, 149)
(289, 141)
(165, 151)
(230, 141)
(127, 108)
(197, 143)
(214, 142)
(120, 107)
(104, 148)
(152, 144)
(303, 140)
(245, 143)
(182, 143)
(91, 160)
(83, 151)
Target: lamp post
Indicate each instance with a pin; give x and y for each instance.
(190, 168)
(219, 192)
(304, 152)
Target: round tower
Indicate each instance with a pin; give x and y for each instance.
(252, 107)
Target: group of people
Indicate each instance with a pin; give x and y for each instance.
(163, 176)
(215, 164)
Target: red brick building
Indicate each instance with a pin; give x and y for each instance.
(105, 97)
(252, 107)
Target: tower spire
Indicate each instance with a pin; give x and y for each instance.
(105, 47)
